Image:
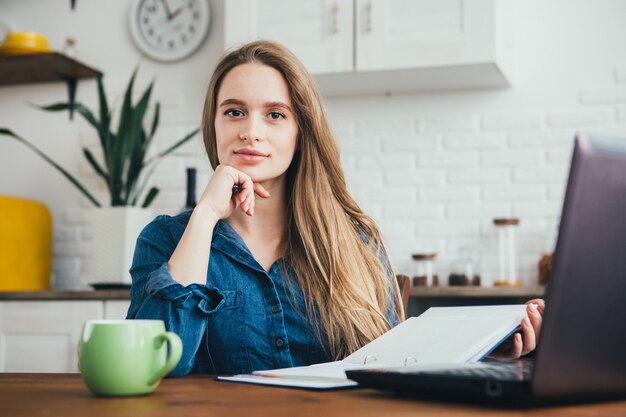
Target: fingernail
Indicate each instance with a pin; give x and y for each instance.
(526, 321)
(252, 211)
(533, 307)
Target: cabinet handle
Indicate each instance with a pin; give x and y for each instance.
(368, 23)
(335, 19)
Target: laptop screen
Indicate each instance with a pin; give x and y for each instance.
(583, 339)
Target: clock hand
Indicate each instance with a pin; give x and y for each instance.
(167, 9)
(176, 12)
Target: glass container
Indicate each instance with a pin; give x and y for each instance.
(507, 252)
(424, 270)
(69, 47)
(464, 270)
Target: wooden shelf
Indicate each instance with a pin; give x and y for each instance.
(43, 67)
(476, 292)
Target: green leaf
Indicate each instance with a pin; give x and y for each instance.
(118, 149)
(150, 197)
(81, 188)
(127, 105)
(130, 137)
(134, 132)
(173, 147)
(55, 107)
(144, 183)
(114, 171)
(135, 164)
(84, 111)
(134, 141)
(155, 120)
(95, 165)
(105, 115)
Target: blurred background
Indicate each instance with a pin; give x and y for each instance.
(448, 113)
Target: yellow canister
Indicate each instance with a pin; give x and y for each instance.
(25, 245)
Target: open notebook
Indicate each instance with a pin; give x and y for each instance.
(440, 336)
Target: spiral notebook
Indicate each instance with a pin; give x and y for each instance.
(440, 336)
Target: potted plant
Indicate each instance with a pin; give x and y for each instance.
(125, 169)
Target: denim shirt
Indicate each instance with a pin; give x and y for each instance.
(242, 320)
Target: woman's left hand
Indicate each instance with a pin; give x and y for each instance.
(524, 341)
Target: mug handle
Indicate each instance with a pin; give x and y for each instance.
(176, 350)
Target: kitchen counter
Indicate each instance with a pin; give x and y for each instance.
(422, 298)
(66, 295)
(417, 292)
(476, 291)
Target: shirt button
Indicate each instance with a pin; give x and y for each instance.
(274, 309)
(279, 342)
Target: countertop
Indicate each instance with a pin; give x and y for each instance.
(468, 291)
(419, 292)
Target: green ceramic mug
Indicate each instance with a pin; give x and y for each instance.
(126, 357)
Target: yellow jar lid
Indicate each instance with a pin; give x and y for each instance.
(25, 42)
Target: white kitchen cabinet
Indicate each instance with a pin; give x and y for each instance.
(319, 32)
(42, 336)
(115, 309)
(398, 34)
(373, 46)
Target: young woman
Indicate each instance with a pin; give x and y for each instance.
(284, 269)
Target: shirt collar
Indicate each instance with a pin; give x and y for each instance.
(227, 240)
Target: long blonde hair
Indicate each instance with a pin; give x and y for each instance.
(337, 253)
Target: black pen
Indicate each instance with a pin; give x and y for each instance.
(236, 188)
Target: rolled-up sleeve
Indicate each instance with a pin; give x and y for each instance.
(156, 295)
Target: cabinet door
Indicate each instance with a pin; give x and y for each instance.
(398, 34)
(319, 32)
(42, 336)
(116, 309)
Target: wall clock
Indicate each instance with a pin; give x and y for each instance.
(169, 30)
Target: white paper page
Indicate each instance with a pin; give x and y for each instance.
(435, 340)
(513, 310)
(292, 381)
(321, 370)
(510, 310)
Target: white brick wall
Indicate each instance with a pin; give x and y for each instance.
(446, 124)
(469, 169)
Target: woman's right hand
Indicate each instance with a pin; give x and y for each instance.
(218, 198)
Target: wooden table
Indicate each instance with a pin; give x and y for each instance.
(65, 395)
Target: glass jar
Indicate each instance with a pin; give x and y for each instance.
(423, 270)
(69, 47)
(464, 271)
(507, 252)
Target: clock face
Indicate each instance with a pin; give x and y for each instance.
(169, 30)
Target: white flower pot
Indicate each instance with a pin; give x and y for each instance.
(115, 232)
